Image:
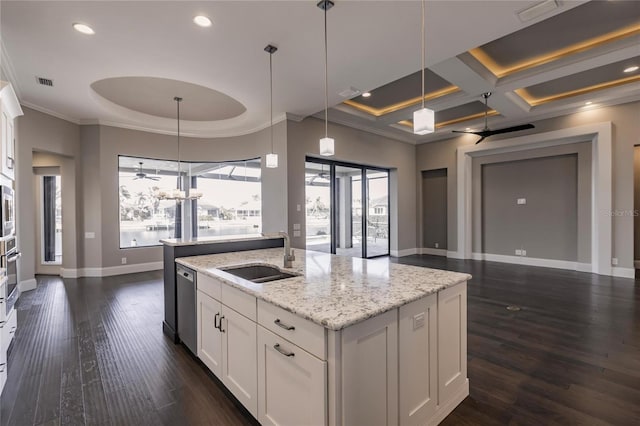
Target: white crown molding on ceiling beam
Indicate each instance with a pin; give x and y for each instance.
(554, 71)
(348, 122)
(51, 112)
(204, 134)
(9, 71)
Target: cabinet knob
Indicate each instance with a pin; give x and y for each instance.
(282, 351)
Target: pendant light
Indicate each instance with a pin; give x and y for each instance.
(326, 144)
(178, 194)
(424, 118)
(272, 159)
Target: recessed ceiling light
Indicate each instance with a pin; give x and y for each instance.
(468, 128)
(83, 28)
(588, 103)
(366, 94)
(202, 21)
(631, 69)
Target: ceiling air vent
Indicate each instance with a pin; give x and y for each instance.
(44, 81)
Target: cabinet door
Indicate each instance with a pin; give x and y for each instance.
(4, 135)
(292, 383)
(239, 358)
(452, 341)
(370, 371)
(209, 337)
(418, 361)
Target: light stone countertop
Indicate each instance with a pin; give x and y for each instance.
(213, 239)
(333, 291)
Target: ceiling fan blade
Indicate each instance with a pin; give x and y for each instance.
(464, 131)
(511, 129)
(153, 178)
(481, 139)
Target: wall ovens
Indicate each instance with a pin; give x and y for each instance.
(9, 256)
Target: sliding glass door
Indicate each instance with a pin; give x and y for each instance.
(347, 208)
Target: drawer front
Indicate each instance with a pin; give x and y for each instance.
(240, 301)
(209, 286)
(11, 327)
(309, 336)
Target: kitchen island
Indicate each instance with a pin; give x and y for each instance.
(345, 341)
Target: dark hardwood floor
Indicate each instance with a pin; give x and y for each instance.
(91, 351)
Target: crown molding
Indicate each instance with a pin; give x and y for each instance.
(50, 112)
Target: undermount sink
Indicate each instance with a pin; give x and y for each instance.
(258, 273)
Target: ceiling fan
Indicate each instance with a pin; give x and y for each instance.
(143, 175)
(486, 132)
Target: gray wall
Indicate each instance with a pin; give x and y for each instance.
(583, 153)
(547, 225)
(355, 146)
(101, 173)
(626, 131)
(636, 192)
(43, 133)
(434, 208)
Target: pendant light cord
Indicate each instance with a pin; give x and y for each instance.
(422, 53)
(178, 100)
(271, 95)
(326, 78)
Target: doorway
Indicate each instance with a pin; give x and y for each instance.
(434, 211)
(50, 219)
(636, 206)
(347, 208)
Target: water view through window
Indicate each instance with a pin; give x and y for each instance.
(230, 204)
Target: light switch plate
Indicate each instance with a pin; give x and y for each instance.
(614, 261)
(522, 201)
(518, 252)
(296, 226)
(298, 207)
(89, 235)
(524, 252)
(296, 233)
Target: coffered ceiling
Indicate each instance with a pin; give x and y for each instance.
(142, 52)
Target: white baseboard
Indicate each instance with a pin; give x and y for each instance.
(584, 267)
(111, 270)
(455, 255)
(405, 252)
(27, 285)
(618, 271)
(433, 251)
(529, 261)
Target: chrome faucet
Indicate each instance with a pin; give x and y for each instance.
(288, 253)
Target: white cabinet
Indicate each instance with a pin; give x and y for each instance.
(239, 363)
(209, 337)
(227, 341)
(292, 383)
(452, 342)
(9, 110)
(418, 353)
(370, 371)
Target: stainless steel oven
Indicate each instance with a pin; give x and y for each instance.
(7, 212)
(9, 256)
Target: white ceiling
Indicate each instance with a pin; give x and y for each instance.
(370, 44)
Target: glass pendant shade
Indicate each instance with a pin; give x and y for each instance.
(326, 146)
(272, 161)
(423, 121)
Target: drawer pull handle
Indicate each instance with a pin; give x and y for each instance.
(220, 327)
(282, 351)
(215, 321)
(2, 367)
(283, 325)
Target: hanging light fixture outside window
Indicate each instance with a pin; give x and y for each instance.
(272, 158)
(178, 193)
(424, 118)
(327, 147)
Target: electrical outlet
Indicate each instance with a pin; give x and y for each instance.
(124, 260)
(524, 252)
(89, 235)
(614, 261)
(298, 207)
(518, 252)
(437, 245)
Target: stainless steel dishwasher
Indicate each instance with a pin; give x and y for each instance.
(187, 309)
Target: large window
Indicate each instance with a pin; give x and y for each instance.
(230, 203)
